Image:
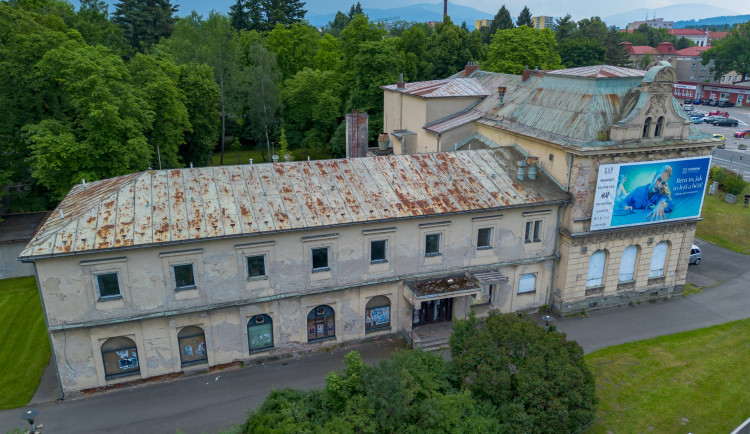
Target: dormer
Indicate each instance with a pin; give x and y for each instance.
(650, 113)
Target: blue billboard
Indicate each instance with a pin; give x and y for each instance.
(633, 194)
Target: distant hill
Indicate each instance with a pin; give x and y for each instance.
(669, 13)
(419, 12)
(715, 21)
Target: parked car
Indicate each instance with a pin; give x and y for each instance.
(705, 101)
(695, 255)
(688, 108)
(719, 136)
(742, 134)
(712, 102)
(696, 119)
(718, 113)
(697, 102)
(696, 113)
(725, 104)
(726, 122)
(711, 119)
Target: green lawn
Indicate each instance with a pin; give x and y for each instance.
(25, 351)
(242, 156)
(724, 224)
(687, 382)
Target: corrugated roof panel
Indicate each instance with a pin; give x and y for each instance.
(178, 225)
(143, 232)
(125, 213)
(190, 204)
(447, 87)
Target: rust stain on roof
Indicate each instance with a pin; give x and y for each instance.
(175, 205)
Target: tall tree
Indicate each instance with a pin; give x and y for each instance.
(592, 28)
(524, 18)
(312, 107)
(295, 47)
(537, 380)
(581, 52)
(92, 21)
(144, 22)
(355, 10)
(262, 100)
(158, 79)
(102, 119)
(731, 53)
(513, 50)
(564, 28)
(449, 48)
(501, 21)
(339, 23)
(264, 15)
(615, 53)
(202, 97)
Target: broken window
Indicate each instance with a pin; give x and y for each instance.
(259, 333)
(378, 314)
(120, 357)
(192, 343)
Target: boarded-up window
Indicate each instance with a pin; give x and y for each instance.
(627, 264)
(378, 314)
(321, 323)
(260, 333)
(596, 268)
(527, 283)
(192, 342)
(658, 259)
(120, 357)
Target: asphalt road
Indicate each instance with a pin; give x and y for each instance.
(730, 158)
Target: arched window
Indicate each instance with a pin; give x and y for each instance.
(192, 343)
(627, 264)
(378, 314)
(647, 128)
(658, 260)
(120, 357)
(321, 323)
(259, 333)
(659, 126)
(596, 268)
(527, 283)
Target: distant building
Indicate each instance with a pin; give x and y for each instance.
(432, 23)
(542, 22)
(737, 93)
(687, 62)
(478, 24)
(699, 37)
(656, 23)
(715, 36)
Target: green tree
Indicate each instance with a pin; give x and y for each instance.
(359, 31)
(329, 54)
(144, 22)
(264, 15)
(261, 98)
(92, 21)
(339, 23)
(312, 107)
(355, 10)
(501, 21)
(412, 47)
(683, 43)
(202, 97)
(592, 28)
(524, 18)
(156, 80)
(99, 131)
(644, 61)
(515, 49)
(449, 48)
(581, 52)
(614, 52)
(295, 47)
(731, 53)
(564, 28)
(537, 381)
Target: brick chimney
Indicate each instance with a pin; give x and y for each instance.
(526, 74)
(470, 68)
(401, 85)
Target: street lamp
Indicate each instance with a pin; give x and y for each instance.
(29, 415)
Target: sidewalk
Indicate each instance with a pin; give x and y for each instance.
(210, 402)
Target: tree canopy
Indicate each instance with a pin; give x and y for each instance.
(731, 53)
(524, 18)
(522, 47)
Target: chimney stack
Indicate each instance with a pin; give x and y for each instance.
(400, 84)
(445, 9)
(470, 68)
(526, 74)
(500, 96)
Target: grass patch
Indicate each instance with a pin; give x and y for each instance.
(25, 352)
(690, 289)
(725, 224)
(243, 156)
(695, 381)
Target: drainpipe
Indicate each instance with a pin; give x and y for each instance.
(570, 170)
(557, 256)
(49, 335)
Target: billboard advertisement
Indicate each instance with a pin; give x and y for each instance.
(633, 194)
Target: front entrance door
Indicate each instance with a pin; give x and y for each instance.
(431, 312)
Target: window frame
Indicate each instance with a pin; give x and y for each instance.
(663, 268)
(623, 262)
(254, 320)
(101, 297)
(247, 266)
(489, 244)
(526, 276)
(439, 251)
(597, 280)
(532, 232)
(384, 259)
(177, 287)
(132, 350)
(369, 328)
(327, 266)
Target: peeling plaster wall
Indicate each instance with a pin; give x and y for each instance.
(152, 313)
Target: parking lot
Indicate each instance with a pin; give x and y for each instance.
(730, 158)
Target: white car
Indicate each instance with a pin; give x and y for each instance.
(688, 108)
(695, 255)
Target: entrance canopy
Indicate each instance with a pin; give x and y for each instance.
(441, 287)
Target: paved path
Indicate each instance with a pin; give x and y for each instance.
(210, 402)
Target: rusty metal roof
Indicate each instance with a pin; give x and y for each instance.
(448, 87)
(442, 125)
(598, 71)
(181, 205)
